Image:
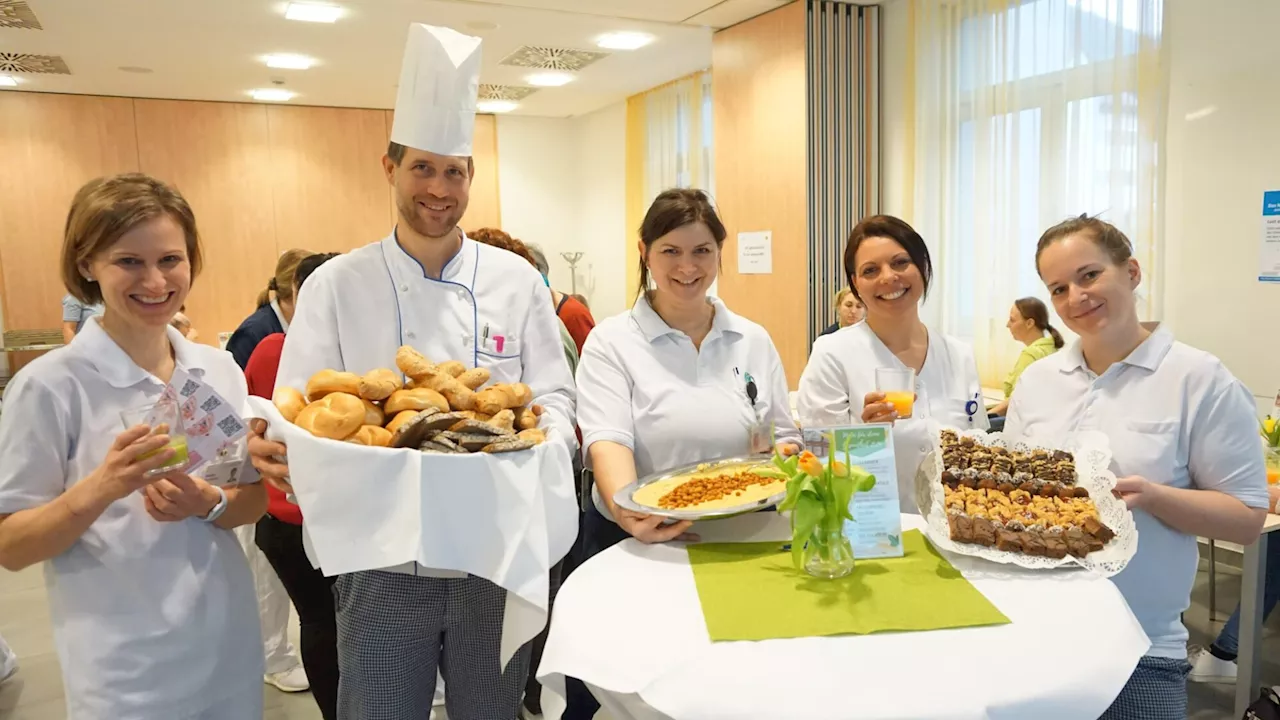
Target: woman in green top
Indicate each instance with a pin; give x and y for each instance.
(1028, 323)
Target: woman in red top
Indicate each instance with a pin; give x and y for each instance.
(279, 536)
(571, 311)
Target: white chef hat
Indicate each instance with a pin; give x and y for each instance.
(439, 81)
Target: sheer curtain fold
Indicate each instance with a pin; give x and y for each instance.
(1029, 112)
(669, 145)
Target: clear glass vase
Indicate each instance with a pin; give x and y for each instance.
(828, 554)
(1272, 456)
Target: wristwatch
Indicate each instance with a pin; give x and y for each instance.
(218, 509)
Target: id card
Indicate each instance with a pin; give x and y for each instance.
(224, 470)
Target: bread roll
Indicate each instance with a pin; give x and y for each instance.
(460, 396)
(412, 363)
(336, 416)
(372, 435)
(379, 384)
(332, 381)
(453, 368)
(534, 435)
(289, 402)
(526, 419)
(502, 396)
(373, 414)
(401, 418)
(416, 399)
(504, 420)
(474, 377)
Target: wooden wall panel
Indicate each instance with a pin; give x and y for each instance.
(484, 209)
(50, 145)
(219, 157)
(326, 175)
(758, 87)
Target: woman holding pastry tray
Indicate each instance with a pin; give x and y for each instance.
(891, 367)
(1182, 432)
(153, 605)
(676, 380)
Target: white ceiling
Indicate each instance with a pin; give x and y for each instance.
(211, 49)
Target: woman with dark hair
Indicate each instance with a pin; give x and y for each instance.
(676, 380)
(889, 271)
(1183, 435)
(1029, 325)
(274, 309)
(279, 536)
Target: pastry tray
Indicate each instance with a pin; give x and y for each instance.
(624, 497)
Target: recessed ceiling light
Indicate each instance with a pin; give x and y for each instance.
(496, 106)
(287, 61)
(312, 12)
(136, 70)
(482, 25)
(272, 95)
(549, 79)
(8, 81)
(624, 40)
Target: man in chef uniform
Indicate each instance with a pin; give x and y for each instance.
(428, 286)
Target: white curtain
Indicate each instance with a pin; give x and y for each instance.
(678, 137)
(1029, 112)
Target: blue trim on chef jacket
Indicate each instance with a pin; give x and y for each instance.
(475, 307)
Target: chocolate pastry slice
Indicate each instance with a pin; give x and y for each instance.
(984, 533)
(1055, 547)
(1095, 528)
(1008, 541)
(1033, 543)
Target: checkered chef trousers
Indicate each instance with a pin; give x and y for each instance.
(396, 630)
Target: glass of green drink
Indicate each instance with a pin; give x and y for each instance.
(164, 418)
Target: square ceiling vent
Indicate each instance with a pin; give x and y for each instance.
(514, 93)
(25, 63)
(548, 58)
(18, 14)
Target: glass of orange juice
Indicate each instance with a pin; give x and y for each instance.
(899, 388)
(1273, 465)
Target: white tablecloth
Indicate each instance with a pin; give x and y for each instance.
(629, 624)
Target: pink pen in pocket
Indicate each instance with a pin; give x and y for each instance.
(498, 342)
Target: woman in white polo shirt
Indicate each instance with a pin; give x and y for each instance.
(889, 270)
(675, 380)
(1183, 438)
(152, 602)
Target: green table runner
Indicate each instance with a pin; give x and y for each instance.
(751, 591)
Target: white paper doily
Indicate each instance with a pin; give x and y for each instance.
(1092, 457)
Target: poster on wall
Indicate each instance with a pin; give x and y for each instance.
(1269, 247)
(755, 253)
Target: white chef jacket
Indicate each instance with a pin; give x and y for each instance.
(1174, 415)
(152, 620)
(643, 384)
(489, 308)
(842, 370)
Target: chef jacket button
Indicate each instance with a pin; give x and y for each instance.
(410, 335)
(404, 288)
(462, 293)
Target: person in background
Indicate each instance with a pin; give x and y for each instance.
(279, 537)
(571, 311)
(1029, 325)
(678, 379)
(152, 603)
(889, 270)
(8, 661)
(1183, 436)
(74, 315)
(274, 309)
(1217, 663)
(849, 311)
(182, 324)
(582, 299)
(285, 670)
(500, 239)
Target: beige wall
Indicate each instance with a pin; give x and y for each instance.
(261, 179)
(758, 86)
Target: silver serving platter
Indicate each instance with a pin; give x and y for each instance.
(624, 497)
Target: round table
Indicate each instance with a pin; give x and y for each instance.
(628, 624)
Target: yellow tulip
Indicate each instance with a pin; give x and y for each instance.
(841, 470)
(810, 464)
(1269, 425)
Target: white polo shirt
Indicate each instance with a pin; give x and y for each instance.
(643, 384)
(1174, 415)
(152, 620)
(842, 370)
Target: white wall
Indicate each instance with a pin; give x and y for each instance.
(561, 186)
(1222, 152)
